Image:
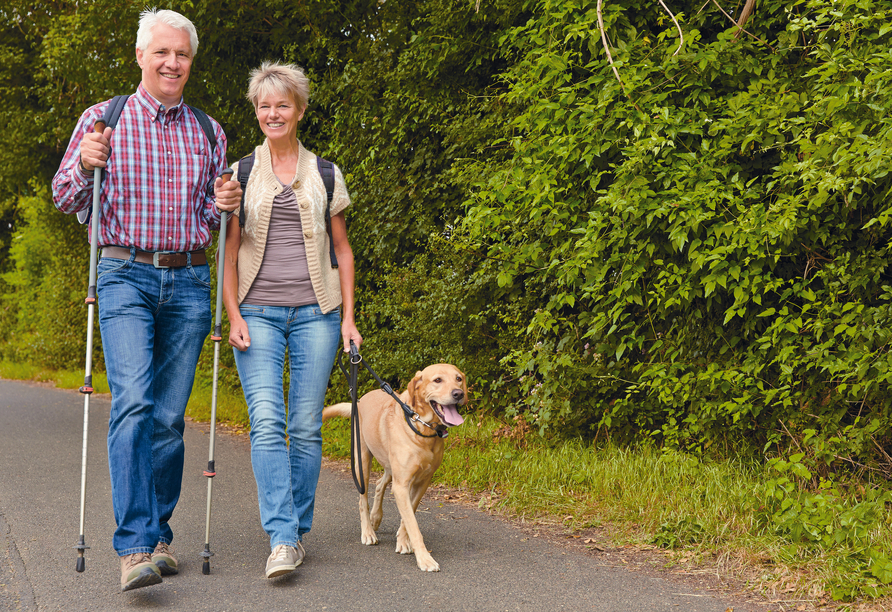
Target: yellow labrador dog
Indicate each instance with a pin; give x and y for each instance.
(410, 454)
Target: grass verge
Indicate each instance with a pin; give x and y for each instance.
(64, 379)
(805, 549)
(806, 542)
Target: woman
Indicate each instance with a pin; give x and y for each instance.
(282, 294)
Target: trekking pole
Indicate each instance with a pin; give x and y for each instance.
(217, 336)
(87, 389)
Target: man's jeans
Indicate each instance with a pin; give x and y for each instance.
(287, 472)
(153, 324)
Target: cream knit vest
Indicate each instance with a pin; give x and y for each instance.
(262, 188)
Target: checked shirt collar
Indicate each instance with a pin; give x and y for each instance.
(157, 111)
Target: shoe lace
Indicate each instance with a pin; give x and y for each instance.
(281, 553)
(138, 558)
(162, 548)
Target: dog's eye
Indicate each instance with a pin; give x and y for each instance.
(438, 380)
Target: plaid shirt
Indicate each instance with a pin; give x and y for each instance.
(154, 192)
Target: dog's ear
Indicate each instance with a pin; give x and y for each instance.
(464, 388)
(414, 388)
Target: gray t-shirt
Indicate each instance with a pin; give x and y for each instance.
(283, 278)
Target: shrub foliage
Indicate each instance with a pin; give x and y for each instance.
(684, 241)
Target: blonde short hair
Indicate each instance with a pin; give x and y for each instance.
(149, 18)
(276, 78)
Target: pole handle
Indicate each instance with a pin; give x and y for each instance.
(99, 126)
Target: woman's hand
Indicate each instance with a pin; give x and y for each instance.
(238, 335)
(348, 333)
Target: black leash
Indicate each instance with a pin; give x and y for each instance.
(410, 415)
(352, 376)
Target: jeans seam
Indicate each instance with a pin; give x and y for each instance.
(195, 277)
(124, 263)
(136, 550)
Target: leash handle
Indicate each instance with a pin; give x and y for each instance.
(355, 440)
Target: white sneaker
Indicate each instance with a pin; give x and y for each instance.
(283, 560)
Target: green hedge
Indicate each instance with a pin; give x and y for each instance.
(695, 255)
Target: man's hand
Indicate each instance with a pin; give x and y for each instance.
(229, 194)
(94, 149)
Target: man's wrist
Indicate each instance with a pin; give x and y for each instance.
(80, 166)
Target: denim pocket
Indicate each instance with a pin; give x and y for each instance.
(110, 265)
(248, 309)
(200, 275)
(316, 311)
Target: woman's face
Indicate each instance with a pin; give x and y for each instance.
(278, 116)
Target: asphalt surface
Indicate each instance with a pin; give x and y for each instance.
(486, 564)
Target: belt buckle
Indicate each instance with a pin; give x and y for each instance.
(155, 260)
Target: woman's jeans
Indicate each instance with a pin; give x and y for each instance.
(153, 323)
(287, 472)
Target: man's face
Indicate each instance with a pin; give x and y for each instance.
(165, 64)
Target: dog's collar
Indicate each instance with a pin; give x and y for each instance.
(440, 430)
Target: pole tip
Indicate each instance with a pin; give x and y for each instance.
(206, 568)
(81, 565)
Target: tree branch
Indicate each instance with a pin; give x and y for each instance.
(740, 29)
(675, 21)
(744, 16)
(607, 49)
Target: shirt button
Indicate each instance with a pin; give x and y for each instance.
(308, 234)
(304, 205)
(170, 180)
(170, 208)
(297, 183)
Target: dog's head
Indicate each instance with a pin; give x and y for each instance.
(442, 387)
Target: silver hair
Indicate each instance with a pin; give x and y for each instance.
(273, 77)
(149, 18)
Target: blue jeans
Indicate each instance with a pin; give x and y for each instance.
(153, 323)
(287, 472)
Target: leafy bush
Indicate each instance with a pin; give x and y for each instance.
(691, 249)
(46, 286)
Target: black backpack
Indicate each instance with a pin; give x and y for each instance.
(326, 171)
(110, 119)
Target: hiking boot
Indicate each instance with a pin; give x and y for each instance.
(138, 571)
(283, 560)
(164, 559)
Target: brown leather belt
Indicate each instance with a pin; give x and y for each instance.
(159, 259)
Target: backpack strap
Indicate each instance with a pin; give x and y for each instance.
(205, 122)
(326, 171)
(245, 165)
(110, 119)
(113, 110)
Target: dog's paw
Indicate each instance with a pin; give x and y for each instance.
(427, 564)
(404, 546)
(376, 520)
(369, 539)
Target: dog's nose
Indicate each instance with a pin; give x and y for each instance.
(457, 394)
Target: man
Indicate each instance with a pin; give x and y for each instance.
(155, 220)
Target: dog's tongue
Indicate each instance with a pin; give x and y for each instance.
(452, 416)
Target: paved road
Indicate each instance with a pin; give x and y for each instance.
(487, 565)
